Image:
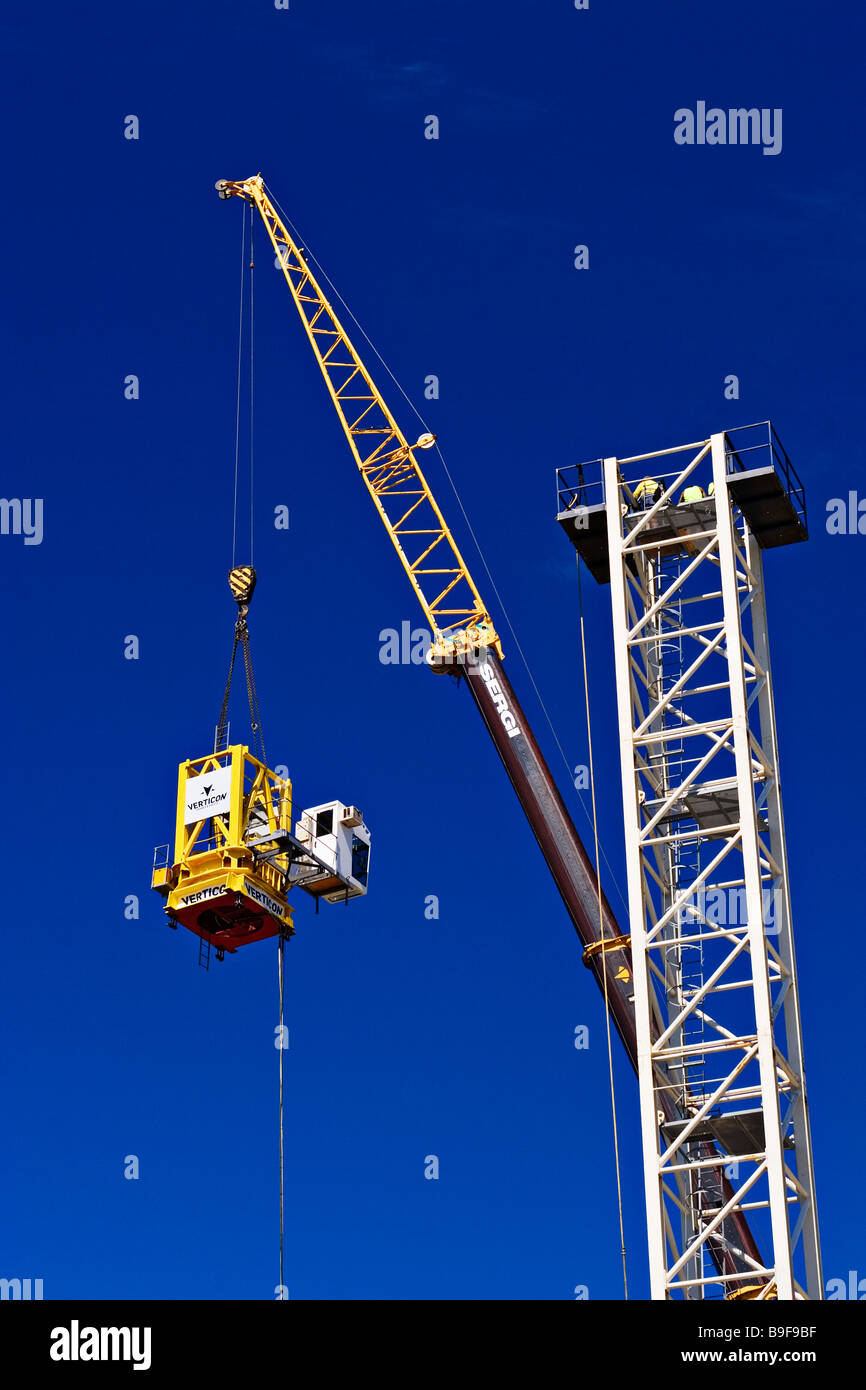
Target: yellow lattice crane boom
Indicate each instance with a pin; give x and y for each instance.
(429, 554)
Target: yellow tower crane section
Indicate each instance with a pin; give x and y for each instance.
(428, 552)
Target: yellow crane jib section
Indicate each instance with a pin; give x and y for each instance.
(458, 618)
(219, 886)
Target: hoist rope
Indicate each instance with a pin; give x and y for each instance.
(242, 636)
(238, 408)
(280, 946)
(336, 293)
(601, 936)
(252, 350)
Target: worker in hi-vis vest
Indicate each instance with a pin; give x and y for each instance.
(692, 494)
(647, 492)
(711, 490)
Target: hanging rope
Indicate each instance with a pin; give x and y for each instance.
(252, 348)
(242, 578)
(238, 408)
(601, 937)
(280, 945)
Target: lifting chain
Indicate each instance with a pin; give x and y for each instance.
(242, 582)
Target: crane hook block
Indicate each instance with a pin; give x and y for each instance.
(242, 582)
(230, 877)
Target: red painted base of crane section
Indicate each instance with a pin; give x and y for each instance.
(227, 923)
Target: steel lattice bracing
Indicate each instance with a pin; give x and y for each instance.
(427, 549)
(709, 905)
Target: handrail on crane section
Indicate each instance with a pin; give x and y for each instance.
(582, 484)
(768, 451)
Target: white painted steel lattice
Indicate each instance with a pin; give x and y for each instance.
(716, 1003)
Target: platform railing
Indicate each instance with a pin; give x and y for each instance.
(574, 489)
(746, 447)
(742, 455)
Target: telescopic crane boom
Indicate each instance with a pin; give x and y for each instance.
(465, 642)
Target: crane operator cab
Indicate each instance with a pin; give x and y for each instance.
(238, 852)
(336, 861)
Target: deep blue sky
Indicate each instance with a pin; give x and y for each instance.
(408, 1037)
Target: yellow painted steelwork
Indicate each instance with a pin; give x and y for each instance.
(750, 1292)
(437, 571)
(214, 852)
(612, 943)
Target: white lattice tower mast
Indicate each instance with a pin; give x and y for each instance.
(704, 825)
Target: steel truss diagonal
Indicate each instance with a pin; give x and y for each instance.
(716, 1001)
